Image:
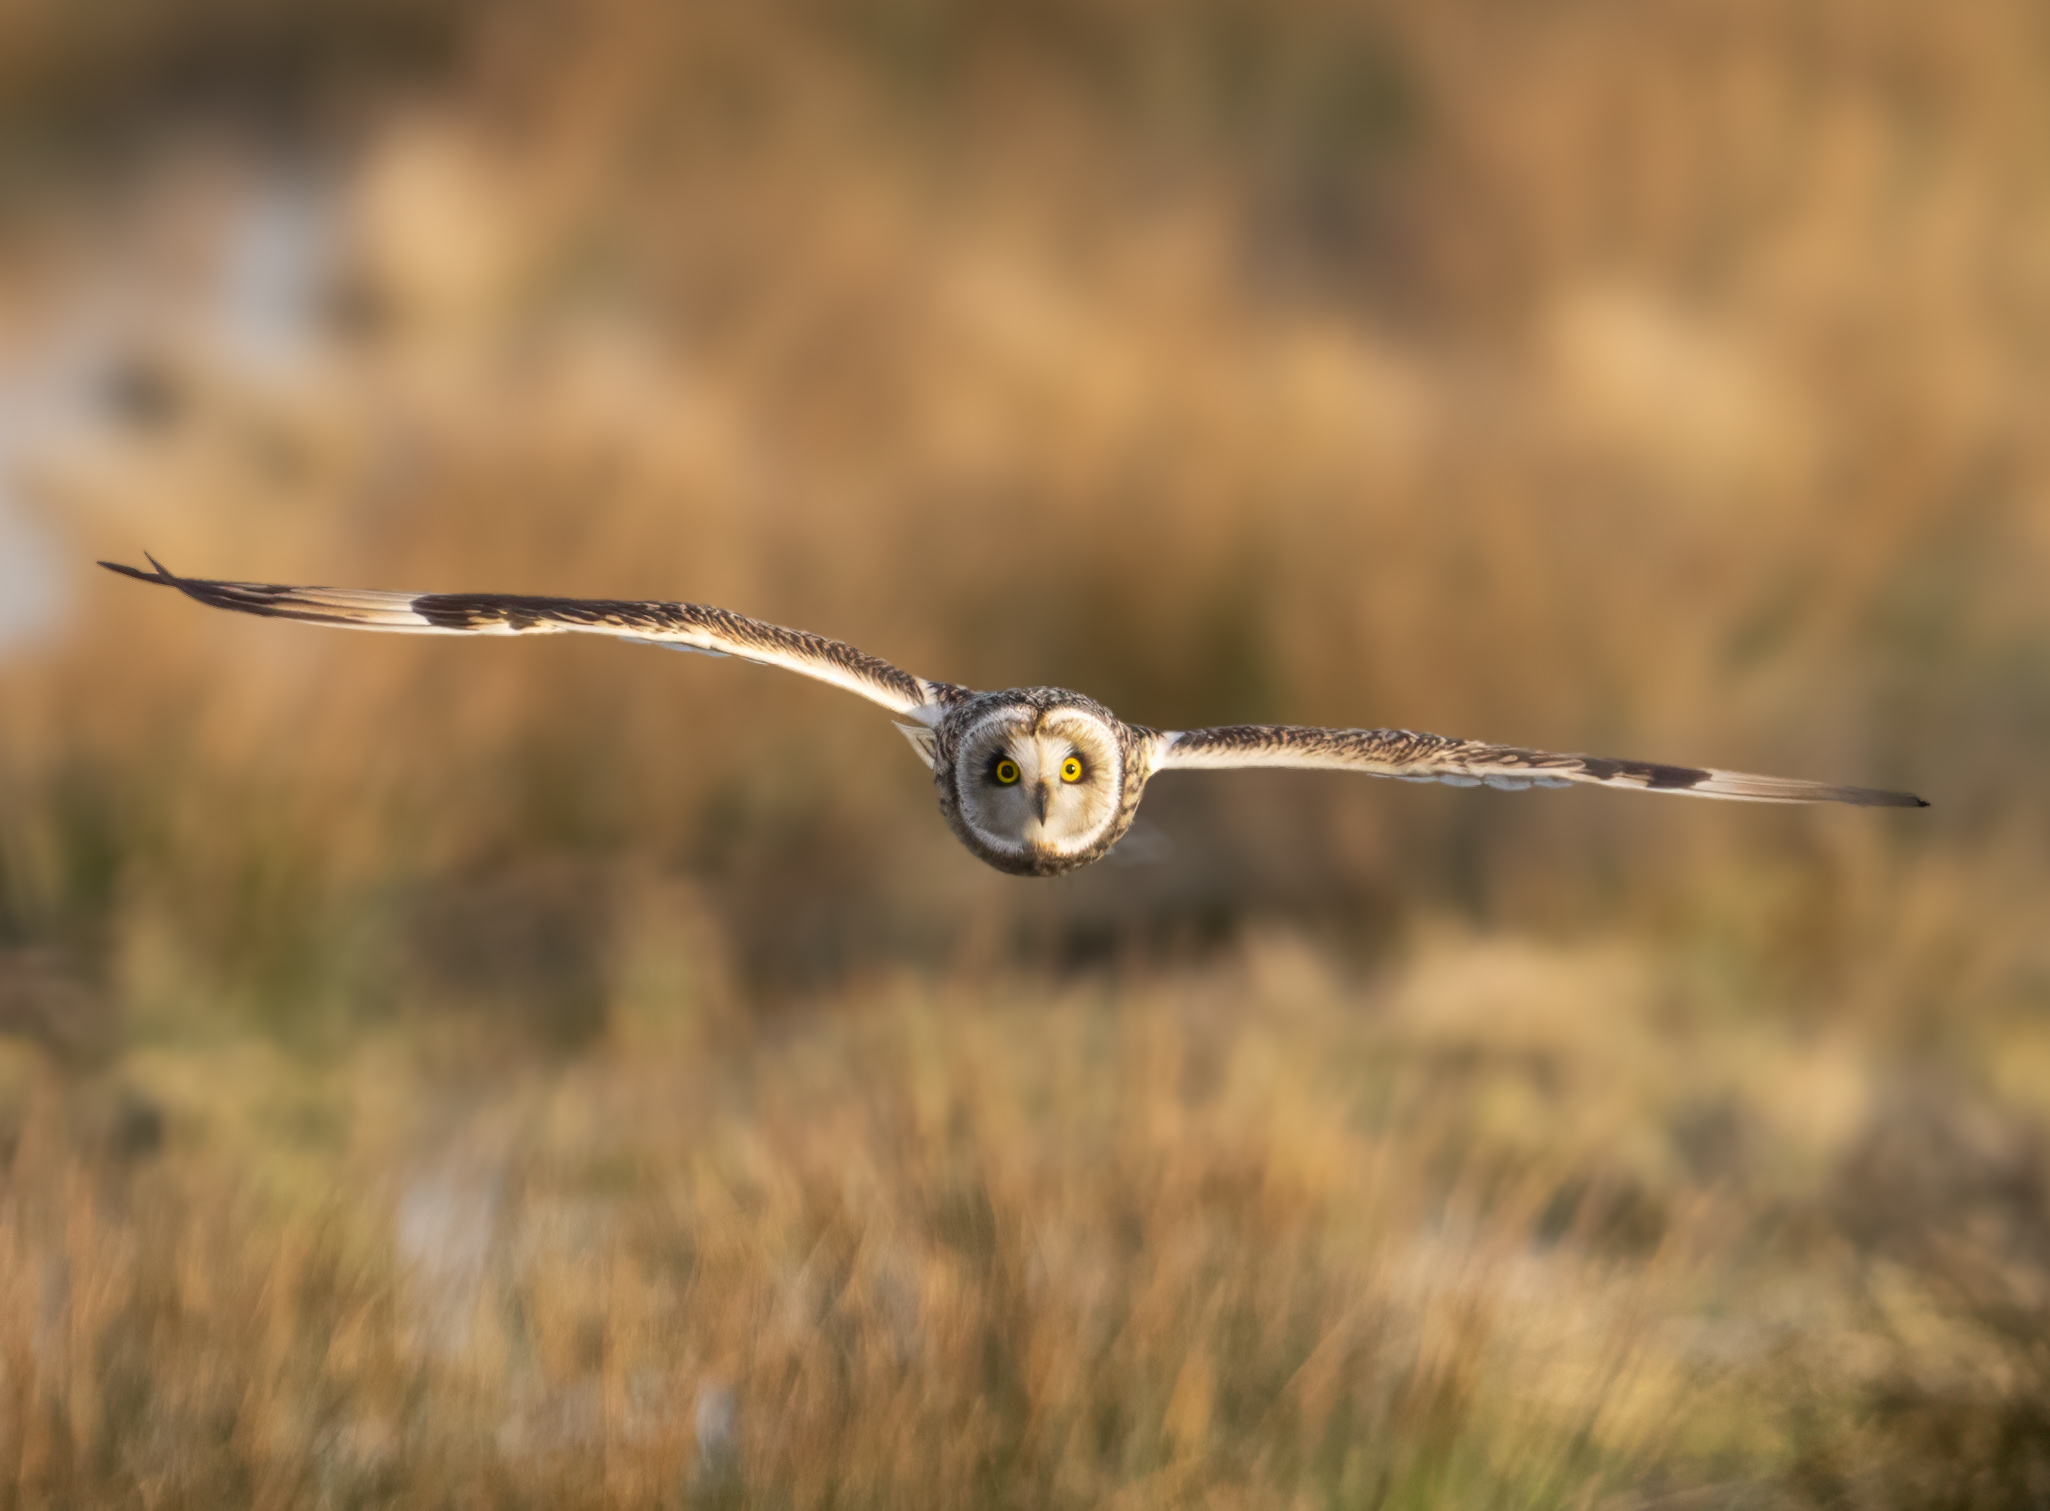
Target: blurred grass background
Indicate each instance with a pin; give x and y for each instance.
(558, 1074)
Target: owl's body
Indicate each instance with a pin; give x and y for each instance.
(1034, 781)
(1045, 820)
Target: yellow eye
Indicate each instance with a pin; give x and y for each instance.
(1071, 769)
(1007, 772)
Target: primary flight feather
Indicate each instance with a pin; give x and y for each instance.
(1034, 780)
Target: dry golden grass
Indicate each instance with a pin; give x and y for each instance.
(1515, 1224)
(474, 1073)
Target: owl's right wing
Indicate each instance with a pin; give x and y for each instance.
(1469, 763)
(678, 626)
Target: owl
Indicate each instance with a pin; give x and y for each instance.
(1035, 781)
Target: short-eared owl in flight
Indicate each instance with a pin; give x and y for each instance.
(1033, 780)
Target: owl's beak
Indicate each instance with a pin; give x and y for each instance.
(1039, 800)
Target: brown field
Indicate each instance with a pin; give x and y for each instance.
(448, 1074)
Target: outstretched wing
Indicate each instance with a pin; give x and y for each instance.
(678, 626)
(1469, 763)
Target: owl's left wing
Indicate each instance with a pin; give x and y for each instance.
(1469, 763)
(679, 626)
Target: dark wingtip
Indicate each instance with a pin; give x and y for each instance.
(159, 575)
(1872, 797)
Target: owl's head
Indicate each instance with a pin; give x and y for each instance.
(1033, 780)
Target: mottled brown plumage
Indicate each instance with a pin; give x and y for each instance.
(1034, 781)
(1410, 756)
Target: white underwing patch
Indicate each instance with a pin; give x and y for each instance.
(921, 739)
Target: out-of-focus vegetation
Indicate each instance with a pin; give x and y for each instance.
(559, 1073)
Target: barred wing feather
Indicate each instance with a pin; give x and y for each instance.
(1416, 757)
(678, 626)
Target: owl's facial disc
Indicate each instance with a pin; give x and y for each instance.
(1040, 783)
